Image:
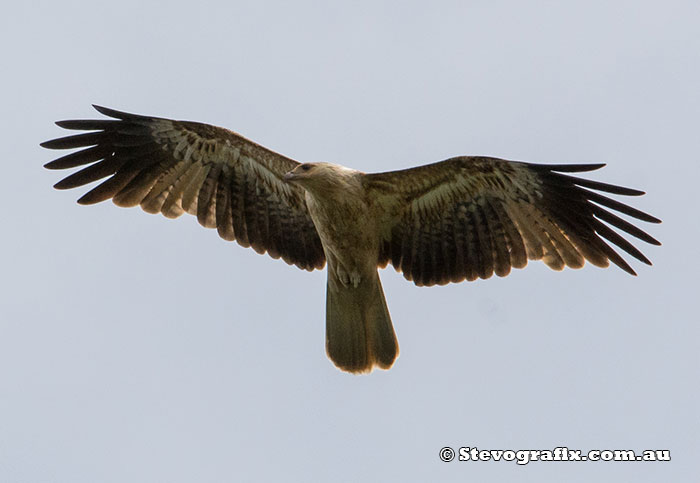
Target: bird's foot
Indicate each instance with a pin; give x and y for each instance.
(348, 278)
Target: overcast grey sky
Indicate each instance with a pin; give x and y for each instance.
(135, 348)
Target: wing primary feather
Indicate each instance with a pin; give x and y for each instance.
(614, 257)
(131, 141)
(566, 168)
(617, 206)
(622, 224)
(79, 158)
(138, 188)
(566, 250)
(618, 240)
(565, 180)
(88, 124)
(578, 228)
(75, 141)
(96, 171)
(124, 116)
(108, 189)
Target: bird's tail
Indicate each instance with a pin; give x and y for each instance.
(359, 332)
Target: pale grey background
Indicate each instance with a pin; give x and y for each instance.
(135, 348)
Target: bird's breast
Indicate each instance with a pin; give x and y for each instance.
(347, 229)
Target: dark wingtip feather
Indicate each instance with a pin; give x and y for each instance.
(87, 124)
(110, 112)
(620, 262)
(617, 206)
(626, 226)
(124, 116)
(80, 178)
(87, 199)
(74, 141)
(53, 144)
(66, 124)
(569, 168)
(78, 158)
(577, 168)
(614, 237)
(651, 219)
(597, 185)
(610, 188)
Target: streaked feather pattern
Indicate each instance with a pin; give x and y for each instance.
(172, 167)
(471, 217)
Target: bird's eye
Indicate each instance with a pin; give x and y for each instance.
(305, 167)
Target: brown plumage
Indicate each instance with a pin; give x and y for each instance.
(463, 218)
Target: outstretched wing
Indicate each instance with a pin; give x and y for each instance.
(471, 217)
(172, 167)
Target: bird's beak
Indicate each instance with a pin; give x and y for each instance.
(289, 177)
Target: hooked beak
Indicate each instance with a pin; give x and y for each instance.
(289, 177)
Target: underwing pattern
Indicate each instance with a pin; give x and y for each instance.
(464, 218)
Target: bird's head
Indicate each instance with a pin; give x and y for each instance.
(302, 173)
(322, 177)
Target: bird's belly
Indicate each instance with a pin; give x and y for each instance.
(348, 237)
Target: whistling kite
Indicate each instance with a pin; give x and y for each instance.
(464, 218)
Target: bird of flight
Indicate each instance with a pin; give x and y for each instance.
(461, 219)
